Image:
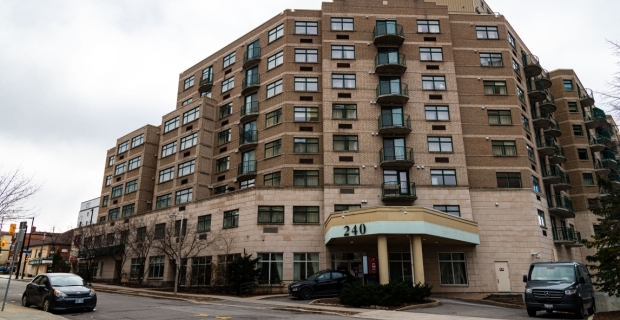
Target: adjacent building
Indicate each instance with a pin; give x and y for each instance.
(89, 210)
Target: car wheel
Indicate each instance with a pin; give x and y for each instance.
(46, 305)
(580, 313)
(25, 301)
(531, 312)
(306, 294)
(592, 308)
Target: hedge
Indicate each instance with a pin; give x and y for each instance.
(386, 295)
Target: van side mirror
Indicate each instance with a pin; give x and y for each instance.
(524, 278)
(582, 280)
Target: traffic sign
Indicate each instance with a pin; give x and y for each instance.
(27, 251)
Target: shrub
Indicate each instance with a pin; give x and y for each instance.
(387, 295)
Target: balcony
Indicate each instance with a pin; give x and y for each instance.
(553, 130)
(558, 156)
(605, 135)
(597, 144)
(566, 236)
(600, 116)
(389, 34)
(586, 97)
(395, 124)
(531, 66)
(250, 83)
(205, 84)
(398, 192)
(553, 175)
(246, 170)
(396, 158)
(601, 167)
(546, 147)
(392, 93)
(561, 206)
(541, 119)
(386, 63)
(538, 93)
(251, 58)
(615, 178)
(248, 139)
(544, 78)
(610, 158)
(590, 122)
(563, 184)
(249, 111)
(548, 103)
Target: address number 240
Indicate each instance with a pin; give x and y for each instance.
(355, 230)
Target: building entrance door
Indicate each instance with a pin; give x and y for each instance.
(349, 262)
(503, 276)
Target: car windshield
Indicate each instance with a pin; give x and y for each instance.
(314, 276)
(552, 273)
(66, 281)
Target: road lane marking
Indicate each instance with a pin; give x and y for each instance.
(223, 317)
(201, 315)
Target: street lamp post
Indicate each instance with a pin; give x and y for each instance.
(178, 262)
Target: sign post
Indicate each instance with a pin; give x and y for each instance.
(20, 239)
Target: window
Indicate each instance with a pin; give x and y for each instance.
(171, 124)
(123, 147)
(495, 87)
(342, 24)
(207, 94)
(189, 141)
(343, 52)
(137, 268)
(159, 231)
(305, 114)
(346, 176)
(275, 60)
(305, 215)
(520, 94)
(128, 210)
(169, 149)
(508, 180)
(134, 163)
(247, 183)
(437, 113)
(224, 137)
(487, 33)
(226, 110)
(188, 83)
(231, 219)
(191, 115)
(166, 175)
(186, 102)
(270, 215)
(131, 186)
(572, 107)
(111, 161)
(516, 67)
(345, 143)
(204, 223)
(451, 210)
(346, 207)
(439, 144)
(207, 74)
(220, 190)
(271, 267)
(530, 152)
(597, 229)
(433, 83)
(568, 84)
(452, 268)
(229, 59)
(273, 118)
(583, 154)
(577, 130)
(177, 227)
(443, 177)
(428, 26)
(108, 180)
(504, 148)
(105, 201)
(431, 54)
(222, 164)
(183, 196)
(276, 33)
(156, 267)
(113, 214)
(272, 179)
(491, 60)
(186, 168)
(273, 148)
(344, 111)
(306, 84)
(306, 178)
(306, 55)
(228, 84)
(163, 201)
(343, 81)
(304, 265)
(138, 140)
(120, 169)
(535, 184)
(140, 234)
(512, 41)
(499, 117)
(306, 145)
(588, 179)
(541, 219)
(303, 27)
(274, 88)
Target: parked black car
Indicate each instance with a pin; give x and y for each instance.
(559, 286)
(60, 291)
(324, 282)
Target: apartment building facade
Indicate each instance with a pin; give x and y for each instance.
(423, 134)
(89, 212)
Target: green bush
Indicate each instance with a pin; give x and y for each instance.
(387, 295)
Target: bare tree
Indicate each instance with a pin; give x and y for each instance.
(612, 96)
(225, 242)
(56, 243)
(89, 240)
(15, 190)
(139, 245)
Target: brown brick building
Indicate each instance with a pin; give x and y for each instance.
(390, 129)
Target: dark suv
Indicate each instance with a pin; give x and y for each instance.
(559, 286)
(324, 282)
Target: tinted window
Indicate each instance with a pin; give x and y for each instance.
(324, 276)
(44, 281)
(337, 275)
(69, 280)
(37, 279)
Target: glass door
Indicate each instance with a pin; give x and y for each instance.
(394, 149)
(249, 132)
(389, 85)
(251, 104)
(254, 49)
(396, 182)
(249, 162)
(386, 27)
(388, 56)
(392, 116)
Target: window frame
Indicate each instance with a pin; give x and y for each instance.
(229, 59)
(346, 141)
(344, 110)
(163, 201)
(542, 222)
(128, 210)
(501, 114)
(504, 145)
(188, 83)
(183, 196)
(303, 84)
(272, 61)
(275, 214)
(488, 30)
(440, 142)
(232, 217)
(191, 115)
(182, 168)
(449, 209)
(308, 113)
(275, 33)
(172, 122)
(192, 140)
(343, 52)
(305, 212)
(204, 223)
(222, 164)
(573, 104)
(307, 53)
(273, 148)
(133, 184)
(443, 173)
(347, 174)
(272, 177)
(578, 130)
(273, 118)
(306, 25)
(305, 145)
(428, 24)
(226, 110)
(436, 82)
(225, 135)
(584, 152)
(589, 179)
(137, 140)
(436, 111)
(490, 60)
(306, 176)
(508, 176)
(117, 191)
(228, 84)
(342, 22)
(432, 51)
(275, 88)
(343, 81)
(166, 173)
(168, 149)
(156, 267)
(570, 84)
(123, 147)
(496, 87)
(120, 168)
(452, 261)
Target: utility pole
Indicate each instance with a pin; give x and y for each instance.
(32, 228)
(178, 262)
(20, 239)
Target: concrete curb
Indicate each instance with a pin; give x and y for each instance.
(491, 303)
(433, 303)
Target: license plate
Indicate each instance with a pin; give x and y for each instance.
(79, 300)
(548, 306)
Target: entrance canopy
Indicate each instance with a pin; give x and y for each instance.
(364, 225)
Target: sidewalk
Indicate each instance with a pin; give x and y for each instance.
(14, 312)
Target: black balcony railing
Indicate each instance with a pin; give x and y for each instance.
(531, 66)
(386, 88)
(249, 136)
(249, 108)
(390, 62)
(396, 190)
(251, 54)
(398, 120)
(402, 154)
(247, 167)
(564, 234)
(559, 202)
(250, 81)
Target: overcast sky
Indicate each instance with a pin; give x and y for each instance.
(76, 75)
